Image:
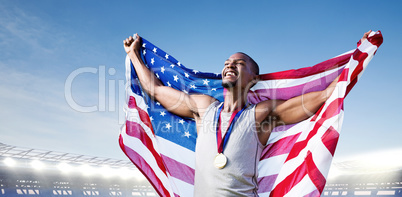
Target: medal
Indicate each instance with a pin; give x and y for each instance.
(220, 161)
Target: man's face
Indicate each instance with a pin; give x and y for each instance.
(237, 72)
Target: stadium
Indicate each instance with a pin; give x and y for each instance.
(31, 172)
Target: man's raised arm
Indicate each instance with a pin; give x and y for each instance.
(173, 100)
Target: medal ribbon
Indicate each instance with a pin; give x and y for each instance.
(222, 142)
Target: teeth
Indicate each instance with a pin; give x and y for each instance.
(230, 73)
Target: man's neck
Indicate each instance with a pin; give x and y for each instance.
(234, 100)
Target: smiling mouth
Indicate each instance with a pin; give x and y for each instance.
(230, 73)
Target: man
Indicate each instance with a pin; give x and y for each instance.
(232, 134)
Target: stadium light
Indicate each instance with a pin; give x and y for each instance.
(107, 172)
(9, 162)
(334, 172)
(138, 175)
(37, 165)
(380, 161)
(65, 168)
(87, 170)
(125, 173)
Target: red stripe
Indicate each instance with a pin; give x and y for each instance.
(145, 169)
(333, 109)
(134, 129)
(330, 139)
(342, 77)
(269, 93)
(376, 39)
(360, 57)
(290, 181)
(350, 86)
(282, 146)
(132, 103)
(314, 173)
(179, 170)
(307, 167)
(308, 71)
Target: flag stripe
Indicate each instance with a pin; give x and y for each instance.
(134, 129)
(282, 146)
(142, 114)
(289, 92)
(307, 71)
(179, 170)
(145, 168)
(265, 184)
(330, 139)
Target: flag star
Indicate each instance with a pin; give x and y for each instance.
(163, 69)
(187, 134)
(172, 65)
(157, 75)
(185, 91)
(168, 83)
(195, 71)
(178, 63)
(206, 81)
(146, 106)
(152, 61)
(144, 52)
(167, 56)
(151, 118)
(193, 86)
(143, 45)
(168, 125)
(158, 103)
(175, 78)
(217, 74)
(181, 121)
(186, 74)
(162, 113)
(213, 89)
(154, 50)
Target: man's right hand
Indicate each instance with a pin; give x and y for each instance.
(131, 44)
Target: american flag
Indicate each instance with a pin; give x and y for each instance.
(297, 157)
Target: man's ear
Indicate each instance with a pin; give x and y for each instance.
(255, 80)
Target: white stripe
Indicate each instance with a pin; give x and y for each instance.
(271, 166)
(140, 148)
(133, 116)
(367, 47)
(285, 83)
(139, 100)
(352, 66)
(304, 187)
(276, 136)
(184, 189)
(176, 152)
(370, 50)
(322, 158)
(265, 194)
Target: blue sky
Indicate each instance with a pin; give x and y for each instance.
(44, 43)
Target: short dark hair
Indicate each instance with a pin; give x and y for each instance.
(255, 67)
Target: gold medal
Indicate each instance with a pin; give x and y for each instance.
(220, 161)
